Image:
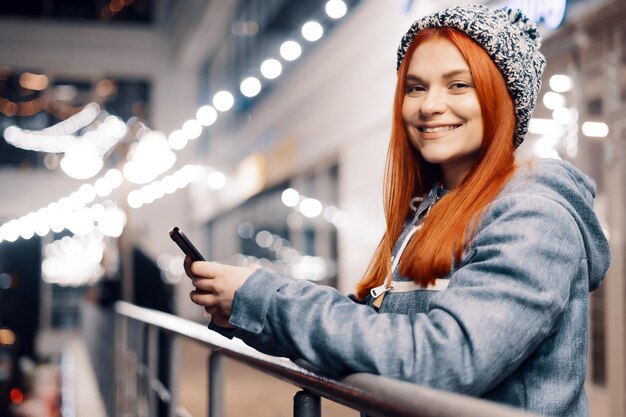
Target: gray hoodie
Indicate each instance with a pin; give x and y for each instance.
(509, 323)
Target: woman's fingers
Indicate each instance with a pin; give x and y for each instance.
(218, 318)
(209, 269)
(212, 310)
(203, 298)
(204, 269)
(204, 284)
(221, 321)
(216, 285)
(187, 264)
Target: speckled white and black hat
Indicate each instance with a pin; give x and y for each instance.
(511, 40)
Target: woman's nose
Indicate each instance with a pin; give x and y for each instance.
(433, 103)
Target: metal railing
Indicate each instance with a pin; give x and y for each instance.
(140, 390)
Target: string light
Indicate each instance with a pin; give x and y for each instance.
(148, 158)
(206, 115)
(223, 100)
(288, 261)
(336, 9)
(250, 87)
(57, 138)
(271, 68)
(290, 197)
(561, 83)
(59, 215)
(312, 31)
(83, 154)
(553, 100)
(7, 336)
(169, 184)
(192, 129)
(23, 108)
(81, 161)
(115, 6)
(216, 180)
(290, 50)
(54, 217)
(564, 115)
(177, 140)
(595, 129)
(172, 267)
(311, 207)
(74, 261)
(35, 82)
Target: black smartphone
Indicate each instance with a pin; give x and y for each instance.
(185, 244)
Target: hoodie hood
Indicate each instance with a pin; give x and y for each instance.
(575, 191)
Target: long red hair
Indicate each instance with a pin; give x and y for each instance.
(453, 221)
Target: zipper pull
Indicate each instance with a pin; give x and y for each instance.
(380, 290)
(380, 294)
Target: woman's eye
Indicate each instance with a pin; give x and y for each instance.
(460, 85)
(414, 88)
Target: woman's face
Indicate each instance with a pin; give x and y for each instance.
(441, 111)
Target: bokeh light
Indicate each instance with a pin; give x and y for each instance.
(312, 31)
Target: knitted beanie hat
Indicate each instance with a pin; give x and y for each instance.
(511, 40)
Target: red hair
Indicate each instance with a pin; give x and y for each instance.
(453, 221)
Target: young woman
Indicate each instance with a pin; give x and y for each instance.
(480, 283)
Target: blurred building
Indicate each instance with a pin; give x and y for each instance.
(285, 170)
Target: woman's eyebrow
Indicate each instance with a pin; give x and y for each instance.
(412, 77)
(449, 74)
(454, 73)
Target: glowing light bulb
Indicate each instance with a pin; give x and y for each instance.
(177, 140)
(192, 129)
(310, 207)
(271, 68)
(312, 31)
(223, 100)
(81, 161)
(290, 197)
(206, 115)
(553, 100)
(595, 129)
(290, 50)
(336, 9)
(561, 83)
(250, 87)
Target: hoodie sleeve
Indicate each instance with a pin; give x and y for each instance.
(501, 303)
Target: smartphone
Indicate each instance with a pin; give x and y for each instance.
(185, 244)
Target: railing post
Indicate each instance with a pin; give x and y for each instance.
(153, 368)
(216, 385)
(306, 404)
(143, 378)
(107, 365)
(173, 348)
(136, 377)
(120, 365)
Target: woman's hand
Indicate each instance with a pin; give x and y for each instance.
(215, 287)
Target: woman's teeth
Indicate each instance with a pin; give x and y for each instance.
(437, 129)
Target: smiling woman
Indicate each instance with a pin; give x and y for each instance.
(480, 282)
(441, 111)
(474, 121)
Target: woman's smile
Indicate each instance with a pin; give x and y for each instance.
(436, 132)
